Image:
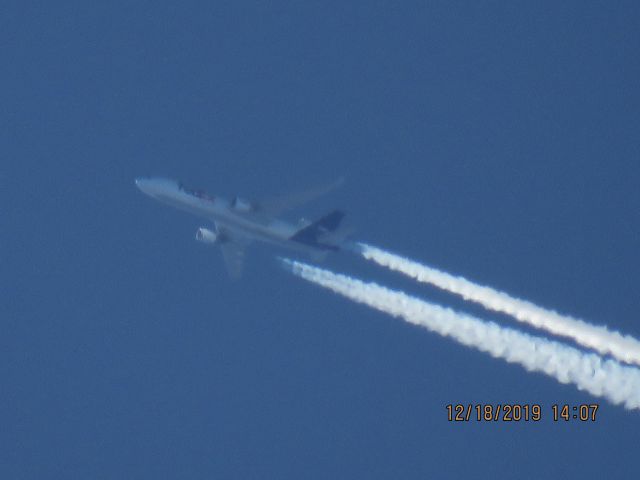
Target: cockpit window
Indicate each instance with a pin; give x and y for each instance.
(196, 192)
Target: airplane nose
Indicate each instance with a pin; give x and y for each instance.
(142, 184)
(154, 186)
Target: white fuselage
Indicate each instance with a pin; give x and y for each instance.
(248, 224)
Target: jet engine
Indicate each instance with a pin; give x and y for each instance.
(205, 235)
(241, 204)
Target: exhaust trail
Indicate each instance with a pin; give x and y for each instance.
(624, 347)
(587, 371)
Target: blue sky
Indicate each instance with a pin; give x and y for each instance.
(498, 140)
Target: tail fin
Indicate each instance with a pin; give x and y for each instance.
(311, 233)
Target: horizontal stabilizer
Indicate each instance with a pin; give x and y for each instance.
(311, 234)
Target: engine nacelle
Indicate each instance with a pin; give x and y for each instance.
(205, 235)
(241, 204)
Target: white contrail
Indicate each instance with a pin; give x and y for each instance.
(588, 371)
(599, 338)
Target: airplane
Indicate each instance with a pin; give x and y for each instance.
(239, 222)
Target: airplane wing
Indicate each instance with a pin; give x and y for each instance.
(233, 248)
(233, 255)
(277, 205)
